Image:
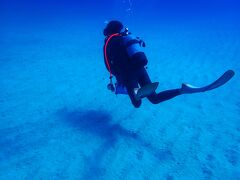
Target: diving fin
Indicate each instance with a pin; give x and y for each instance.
(188, 89)
(145, 90)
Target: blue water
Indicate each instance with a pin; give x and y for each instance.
(59, 121)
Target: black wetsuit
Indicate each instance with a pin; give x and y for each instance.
(131, 71)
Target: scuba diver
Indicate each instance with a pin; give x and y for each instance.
(125, 59)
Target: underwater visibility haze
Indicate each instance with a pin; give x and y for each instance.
(58, 120)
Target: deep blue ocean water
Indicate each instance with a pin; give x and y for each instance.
(59, 121)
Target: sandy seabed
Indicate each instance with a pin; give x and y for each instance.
(58, 120)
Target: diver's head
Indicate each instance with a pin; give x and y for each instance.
(112, 28)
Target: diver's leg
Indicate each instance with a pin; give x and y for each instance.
(156, 98)
(132, 83)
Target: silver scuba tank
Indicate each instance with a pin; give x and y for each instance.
(133, 44)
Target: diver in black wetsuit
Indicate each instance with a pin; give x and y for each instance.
(126, 62)
(130, 70)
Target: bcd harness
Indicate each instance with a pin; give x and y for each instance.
(132, 45)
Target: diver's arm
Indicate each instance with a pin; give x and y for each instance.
(139, 59)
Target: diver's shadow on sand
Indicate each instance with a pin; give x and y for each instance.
(99, 123)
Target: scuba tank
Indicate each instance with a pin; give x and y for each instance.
(132, 43)
(134, 47)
